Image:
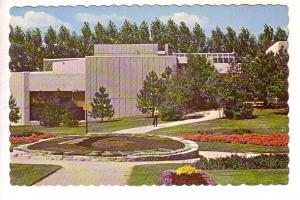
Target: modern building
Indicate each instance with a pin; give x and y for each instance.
(120, 68)
(275, 48)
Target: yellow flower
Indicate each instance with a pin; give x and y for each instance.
(187, 169)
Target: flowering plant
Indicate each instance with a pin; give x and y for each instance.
(29, 139)
(187, 169)
(277, 139)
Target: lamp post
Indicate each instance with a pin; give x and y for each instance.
(86, 107)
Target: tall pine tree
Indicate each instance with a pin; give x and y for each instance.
(101, 106)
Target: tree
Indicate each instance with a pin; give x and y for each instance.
(184, 38)
(101, 36)
(128, 33)
(112, 32)
(150, 96)
(266, 38)
(171, 35)
(216, 42)
(50, 39)
(280, 35)
(14, 114)
(144, 35)
(101, 106)
(55, 109)
(246, 45)
(87, 40)
(158, 32)
(230, 40)
(199, 39)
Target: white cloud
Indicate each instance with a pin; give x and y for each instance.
(42, 20)
(189, 19)
(93, 18)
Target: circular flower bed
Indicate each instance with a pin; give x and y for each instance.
(114, 148)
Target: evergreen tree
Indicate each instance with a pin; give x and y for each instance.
(144, 35)
(230, 40)
(14, 114)
(246, 45)
(280, 35)
(101, 106)
(112, 33)
(266, 38)
(199, 39)
(127, 35)
(172, 35)
(216, 42)
(101, 36)
(87, 40)
(150, 96)
(158, 32)
(184, 38)
(51, 40)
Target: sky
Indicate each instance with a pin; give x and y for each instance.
(252, 17)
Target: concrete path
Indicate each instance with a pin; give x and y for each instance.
(209, 115)
(88, 172)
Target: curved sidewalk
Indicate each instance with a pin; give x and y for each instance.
(209, 115)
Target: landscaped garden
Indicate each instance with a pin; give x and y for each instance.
(235, 170)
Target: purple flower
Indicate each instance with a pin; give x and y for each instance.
(166, 177)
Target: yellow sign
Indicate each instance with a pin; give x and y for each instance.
(86, 106)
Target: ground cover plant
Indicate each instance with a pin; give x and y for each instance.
(28, 174)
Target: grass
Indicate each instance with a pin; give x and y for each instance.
(27, 174)
(106, 127)
(241, 148)
(149, 175)
(265, 121)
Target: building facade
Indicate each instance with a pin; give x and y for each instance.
(120, 68)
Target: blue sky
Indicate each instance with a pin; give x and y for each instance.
(251, 17)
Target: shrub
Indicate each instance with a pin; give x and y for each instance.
(169, 114)
(55, 109)
(235, 110)
(272, 161)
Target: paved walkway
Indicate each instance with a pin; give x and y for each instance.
(88, 172)
(209, 115)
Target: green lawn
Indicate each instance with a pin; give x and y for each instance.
(231, 147)
(265, 121)
(26, 174)
(149, 175)
(107, 126)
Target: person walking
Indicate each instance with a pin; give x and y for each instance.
(155, 117)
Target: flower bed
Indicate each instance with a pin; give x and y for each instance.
(251, 138)
(186, 175)
(30, 139)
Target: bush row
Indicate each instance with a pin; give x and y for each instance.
(272, 161)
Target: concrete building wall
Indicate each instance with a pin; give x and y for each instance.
(124, 49)
(19, 87)
(277, 46)
(69, 67)
(123, 77)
